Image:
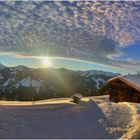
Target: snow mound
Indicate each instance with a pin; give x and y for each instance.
(134, 131)
(122, 119)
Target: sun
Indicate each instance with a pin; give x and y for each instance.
(46, 62)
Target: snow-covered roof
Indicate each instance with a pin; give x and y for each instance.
(132, 80)
(78, 95)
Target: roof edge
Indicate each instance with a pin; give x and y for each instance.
(125, 81)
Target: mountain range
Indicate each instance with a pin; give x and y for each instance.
(23, 83)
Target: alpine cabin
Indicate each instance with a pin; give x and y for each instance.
(124, 88)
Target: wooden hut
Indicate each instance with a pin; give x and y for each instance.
(124, 88)
(76, 98)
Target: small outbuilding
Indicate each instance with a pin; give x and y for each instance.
(76, 97)
(124, 88)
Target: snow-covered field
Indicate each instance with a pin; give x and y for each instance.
(94, 117)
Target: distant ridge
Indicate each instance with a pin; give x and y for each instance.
(2, 66)
(23, 83)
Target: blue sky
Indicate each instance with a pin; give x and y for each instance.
(133, 51)
(102, 35)
(57, 63)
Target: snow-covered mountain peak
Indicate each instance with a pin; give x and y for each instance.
(38, 83)
(20, 67)
(96, 72)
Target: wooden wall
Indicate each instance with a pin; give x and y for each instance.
(120, 92)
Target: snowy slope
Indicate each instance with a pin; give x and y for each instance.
(99, 81)
(96, 72)
(94, 117)
(28, 82)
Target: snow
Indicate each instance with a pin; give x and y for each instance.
(7, 82)
(28, 82)
(122, 119)
(134, 131)
(134, 79)
(1, 77)
(98, 82)
(36, 84)
(94, 72)
(53, 119)
(78, 95)
(20, 68)
(17, 68)
(13, 72)
(94, 117)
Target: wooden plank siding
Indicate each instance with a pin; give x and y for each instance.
(120, 91)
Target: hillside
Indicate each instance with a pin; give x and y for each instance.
(94, 117)
(22, 83)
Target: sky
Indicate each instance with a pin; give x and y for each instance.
(78, 35)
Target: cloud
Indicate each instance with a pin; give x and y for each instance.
(91, 31)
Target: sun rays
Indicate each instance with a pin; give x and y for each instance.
(46, 62)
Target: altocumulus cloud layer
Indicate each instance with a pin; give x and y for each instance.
(92, 31)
